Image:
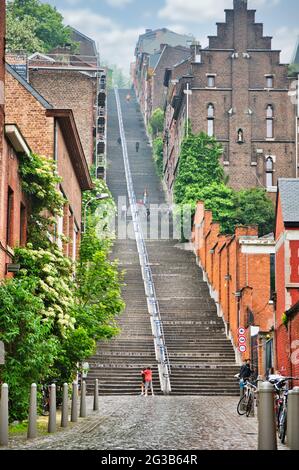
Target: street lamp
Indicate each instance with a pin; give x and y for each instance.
(97, 197)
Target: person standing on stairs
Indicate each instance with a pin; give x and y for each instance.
(148, 381)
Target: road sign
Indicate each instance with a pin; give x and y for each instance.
(242, 349)
(241, 331)
(242, 340)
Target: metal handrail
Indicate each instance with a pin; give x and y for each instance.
(157, 325)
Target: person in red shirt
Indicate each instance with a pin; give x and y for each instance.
(148, 377)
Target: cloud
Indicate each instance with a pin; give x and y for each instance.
(118, 3)
(199, 11)
(115, 43)
(285, 39)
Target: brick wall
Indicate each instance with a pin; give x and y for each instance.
(23, 109)
(2, 170)
(69, 185)
(10, 181)
(70, 90)
(236, 264)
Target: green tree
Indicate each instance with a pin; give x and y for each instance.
(253, 207)
(46, 21)
(158, 154)
(21, 34)
(199, 166)
(156, 123)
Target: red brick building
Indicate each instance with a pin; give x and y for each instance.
(287, 277)
(53, 133)
(237, 270)
(239, 94)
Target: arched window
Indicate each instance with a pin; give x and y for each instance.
(211, 117)
(270, 122)
(269, 172)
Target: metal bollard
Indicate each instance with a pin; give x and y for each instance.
(32, 421)
(74, 412)
(293, 419)
(267, 439)
(4, 415)
(96, 396)
(65, 407)
(52, 411)
(83, 401)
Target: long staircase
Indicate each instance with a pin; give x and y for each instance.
(202, 358)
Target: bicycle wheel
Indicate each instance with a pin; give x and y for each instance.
(249, 405)
(242, 406)
(282, 426)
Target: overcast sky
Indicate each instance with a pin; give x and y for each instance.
(116, 24)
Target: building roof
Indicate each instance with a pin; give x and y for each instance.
(151, 41)
(87, 46)
(288, 191)
(28, 87)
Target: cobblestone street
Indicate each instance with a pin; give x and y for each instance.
(153, 423)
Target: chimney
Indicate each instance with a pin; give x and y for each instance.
(240, 4)
(196, 52)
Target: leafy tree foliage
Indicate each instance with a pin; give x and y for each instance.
(22, 34)
(156, 124)
(30, 348)
(158, 154)
(253, 207)
(45, 26)
(201, 178)
(51, 313)
(199, 166)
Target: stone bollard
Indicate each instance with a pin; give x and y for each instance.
(293, 419)
(52, 411)
(267, 439)
(4, 415)
(83, 401)
(32, 421)
(96, 396)
(74, 412)
(65, 407)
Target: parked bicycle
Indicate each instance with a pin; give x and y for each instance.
(247, 402)
(281, 385)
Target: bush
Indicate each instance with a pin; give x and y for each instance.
(30, 346)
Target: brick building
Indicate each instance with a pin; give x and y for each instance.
(52, 132)
(239, 94)
(155, 51)
(72, 81)
(238, 272)
(287, 277)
